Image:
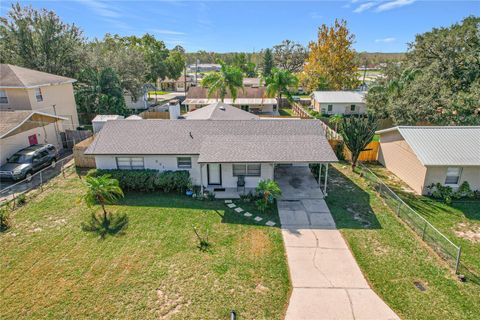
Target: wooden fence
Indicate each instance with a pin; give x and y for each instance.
(81, 159)
(72, 137)
(370, 153)
(155, 115)
(299, 111)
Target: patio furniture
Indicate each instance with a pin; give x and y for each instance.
(241, 183)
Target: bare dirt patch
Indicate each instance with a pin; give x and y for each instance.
(169, 304)
(468, 231)
(256, 243)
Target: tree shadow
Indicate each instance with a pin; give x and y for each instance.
(349, 204)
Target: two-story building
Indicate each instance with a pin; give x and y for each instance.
(27, 89)
(338, 102)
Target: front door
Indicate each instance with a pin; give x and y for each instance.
(214, 171)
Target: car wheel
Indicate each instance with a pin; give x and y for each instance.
(28, 176)
(53, 163)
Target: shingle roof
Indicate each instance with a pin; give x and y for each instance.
(106, 117)
(220, 111)
(222, 140)
(339, 96)
(10, 120)
(246, 92)
(17, 77)
(443, 145)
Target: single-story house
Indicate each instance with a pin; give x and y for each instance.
(422, 156)
(99, 121)
(204, 67)
(338, 102)
(177, 85)
(216, 153)
(252, 82)
(220, 111)
(249, 99)
(23, 128)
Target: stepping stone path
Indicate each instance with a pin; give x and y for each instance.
(233, 206)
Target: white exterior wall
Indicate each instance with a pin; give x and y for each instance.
(169, 162)
(339, 108)
(10, 145)
(438, 174)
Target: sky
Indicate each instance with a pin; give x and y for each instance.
(249, 26)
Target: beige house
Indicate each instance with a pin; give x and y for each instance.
(422, 156)
(338, 102)
(20, 129)
(26, 89)
(176, 85)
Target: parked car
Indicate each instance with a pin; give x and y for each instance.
(24, 163)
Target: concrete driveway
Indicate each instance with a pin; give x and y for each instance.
(327, 282)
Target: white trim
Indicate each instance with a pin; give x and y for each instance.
(38, 85)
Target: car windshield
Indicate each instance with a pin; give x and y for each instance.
(20, 158)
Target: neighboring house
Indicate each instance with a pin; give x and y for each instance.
(216, 153)
(204, 67)
(248, 99)
(26, 89)
(140, 104)
(422, 156)
(252, 82)
(220, 111)
(338, 102)
(99, 121)
(20, 129)
(176, 85)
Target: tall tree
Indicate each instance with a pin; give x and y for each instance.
(279, 84)
(39, 40)
(268, 63)
(175, 64)
(289, 55)
(331, 60)
(437, 83)
(241, 61)
(99, 92)
(357, 133)
(228, 80)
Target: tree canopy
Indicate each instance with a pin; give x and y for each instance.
(331, 60)
(39, 40)
(268, 63)
(437, 83)
(289, 55)
(279, 84)
(228, 80)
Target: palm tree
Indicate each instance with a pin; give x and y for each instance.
(279, 83)
(103, 190)
(228, 80)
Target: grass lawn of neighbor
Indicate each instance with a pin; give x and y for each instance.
(393, 258)
(52, 269)
(286, 112)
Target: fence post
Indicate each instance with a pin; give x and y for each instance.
(457, 264)
(13, 202)
(423, 232)
(398, 208)
(41, 181)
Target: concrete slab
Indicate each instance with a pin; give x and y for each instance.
(231, 205)
(247, 214)
(295, 205)
(318, 304)
(270, 223)
(322, 220)
(297, 183)
(313, 238)
(258, 219)
(303, 271)
(315, 205)
(293, 218)
(367, 305)
(238, 209)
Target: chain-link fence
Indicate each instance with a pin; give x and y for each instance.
(10, 194)
(445, 248)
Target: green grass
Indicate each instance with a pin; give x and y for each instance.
(392, 257)
(450, 220)
(51, 269)
(158, 92)
(286, 112)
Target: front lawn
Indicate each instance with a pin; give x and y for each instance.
(393, 259)
(51, 269)
(460, 222)
(158, 92)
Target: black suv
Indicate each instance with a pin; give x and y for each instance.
(27, 161)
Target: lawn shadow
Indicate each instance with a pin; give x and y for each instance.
(349, 204)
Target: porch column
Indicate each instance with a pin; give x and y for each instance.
(201, 178)
(320, 175)
(325, 181)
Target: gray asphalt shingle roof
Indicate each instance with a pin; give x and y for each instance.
(217, 141)
(443, 145)
(339, 96)
(17, 77)
(220, 111)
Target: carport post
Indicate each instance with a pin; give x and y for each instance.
(201, 178)
(320, 175)
(325, 182)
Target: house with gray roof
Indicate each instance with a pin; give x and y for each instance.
(426, 155)
(338, 102)
(220, 111)
(216, 153)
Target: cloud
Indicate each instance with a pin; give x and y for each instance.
(315, 15)
(385, 40)
(170, 32)
(102, 9)
(364, 6)
(393, 5)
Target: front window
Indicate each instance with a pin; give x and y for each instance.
(124, 163)
(184, 162)
(453, 176)
(3, 96)
(352, 107)
(330, 107)
(247, 169)
(38, 95)
(20, 158)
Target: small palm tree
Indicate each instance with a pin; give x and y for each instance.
(279, 83)
(268, 190)
(104, 190)
(228, 80)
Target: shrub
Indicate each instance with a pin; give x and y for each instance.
(268, 191)
(439, 191)
(149, 180)
(5, 222)
(21, 200)
(464, 191)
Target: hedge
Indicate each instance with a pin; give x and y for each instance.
(148, 180)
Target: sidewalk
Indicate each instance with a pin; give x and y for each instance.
(327, 282)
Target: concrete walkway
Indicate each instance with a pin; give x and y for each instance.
(327, 282)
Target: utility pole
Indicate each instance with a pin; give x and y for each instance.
(56, 124)
(196, 71)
